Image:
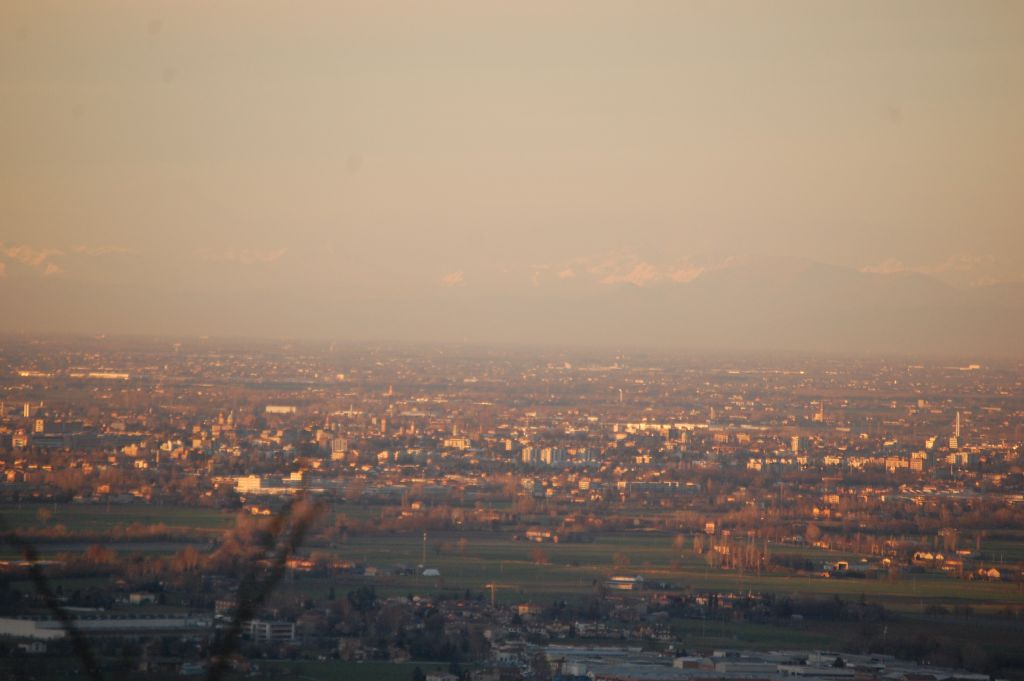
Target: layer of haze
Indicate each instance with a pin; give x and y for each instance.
(533, 172)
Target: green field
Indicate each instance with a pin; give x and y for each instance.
(573, 571)
(104, 517)
(470, 560)
(86, 524)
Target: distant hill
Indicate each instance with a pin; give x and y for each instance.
(765, 303)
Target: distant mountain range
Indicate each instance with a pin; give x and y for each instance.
(765, 304)
(751, 304)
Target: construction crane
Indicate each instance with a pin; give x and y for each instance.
(492, 586)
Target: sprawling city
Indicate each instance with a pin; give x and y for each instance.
(463, 340)
(449, 511)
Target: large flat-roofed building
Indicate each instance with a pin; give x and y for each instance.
(621, 583)
(248, 483)
(101, 624)
(264, 631)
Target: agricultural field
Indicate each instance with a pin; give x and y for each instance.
(520, 569)
(530, 570)
(101, 518)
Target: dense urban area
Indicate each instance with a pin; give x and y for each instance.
(228, 509)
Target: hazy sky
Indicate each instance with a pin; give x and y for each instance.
(266, 154)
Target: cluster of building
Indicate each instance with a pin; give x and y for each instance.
(612, 663)
(607, 430)
(732, 453)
